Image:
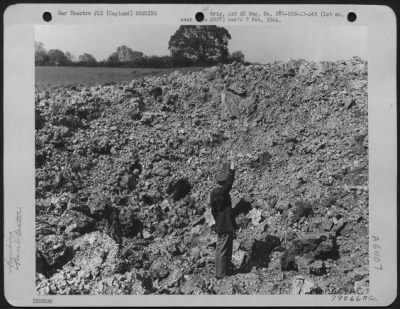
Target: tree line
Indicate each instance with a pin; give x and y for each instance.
(188, 46)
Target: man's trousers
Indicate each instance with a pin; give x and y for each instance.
(223, 254)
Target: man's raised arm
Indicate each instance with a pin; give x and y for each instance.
(231, 172)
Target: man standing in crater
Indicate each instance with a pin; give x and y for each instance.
(221, 209)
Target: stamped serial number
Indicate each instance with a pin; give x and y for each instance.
(376, 252)
(354, 298)
(42, 301)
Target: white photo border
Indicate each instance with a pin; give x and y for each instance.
(19, 148)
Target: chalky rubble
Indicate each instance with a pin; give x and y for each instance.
(123, 174)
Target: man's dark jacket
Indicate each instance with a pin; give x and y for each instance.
(221, 205)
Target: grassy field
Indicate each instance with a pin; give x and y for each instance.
(50, 77)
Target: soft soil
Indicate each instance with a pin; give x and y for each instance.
(124, 171)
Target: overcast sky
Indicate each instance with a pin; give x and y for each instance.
(258, 43)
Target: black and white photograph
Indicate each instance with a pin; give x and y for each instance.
(178, 155)
(201, 160)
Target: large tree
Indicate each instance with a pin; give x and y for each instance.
(126, 54)
(200, 43)
(57, 57)
(87, 59)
